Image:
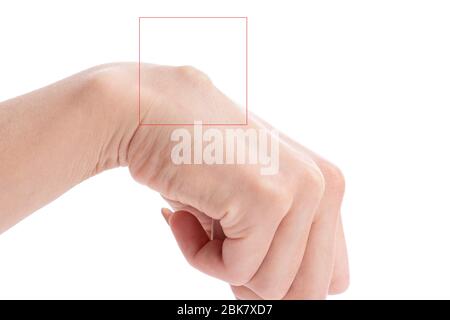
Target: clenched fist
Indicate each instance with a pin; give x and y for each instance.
(271, 234)
(277, 236)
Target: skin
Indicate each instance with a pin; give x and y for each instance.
(275, 237)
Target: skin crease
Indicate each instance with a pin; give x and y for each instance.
(275, 237)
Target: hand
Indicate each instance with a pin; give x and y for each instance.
(276, 235)
(282, 234)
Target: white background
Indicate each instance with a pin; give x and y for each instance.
(364, 83)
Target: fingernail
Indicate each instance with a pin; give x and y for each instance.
(166, 213)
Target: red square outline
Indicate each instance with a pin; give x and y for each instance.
(191, 124)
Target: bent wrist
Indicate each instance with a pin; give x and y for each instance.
(111, 113)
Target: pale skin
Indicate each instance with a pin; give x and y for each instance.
(275, 237)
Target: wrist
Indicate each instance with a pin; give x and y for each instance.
(111, 111)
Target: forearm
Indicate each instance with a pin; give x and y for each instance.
(54, 138)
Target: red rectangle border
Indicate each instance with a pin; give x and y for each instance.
(191, 124)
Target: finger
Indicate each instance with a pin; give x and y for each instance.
(314, 276)
(244, 293)
(232, 260)
(166, 213)
(341, 274)
(205, 221)
(279, 268)
(340, 268)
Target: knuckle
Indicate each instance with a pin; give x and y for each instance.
(274, 196)
(313, 182)
(334, 178)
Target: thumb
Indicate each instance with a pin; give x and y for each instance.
(230, 259)
(189, 234)
(166, 213)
